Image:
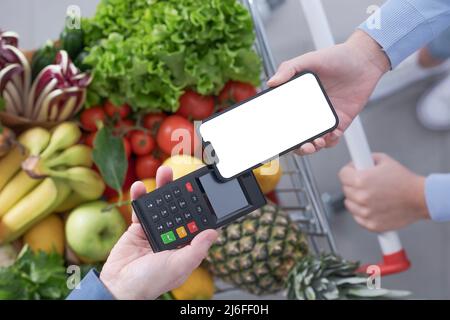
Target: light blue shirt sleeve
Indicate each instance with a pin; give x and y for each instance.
(437, 195)
(401, 27)
(91, 288)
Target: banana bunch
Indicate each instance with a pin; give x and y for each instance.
(45, 172)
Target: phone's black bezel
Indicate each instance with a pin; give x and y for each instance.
(205, 144)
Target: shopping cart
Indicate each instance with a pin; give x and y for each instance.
(297, 192)
(394, 256)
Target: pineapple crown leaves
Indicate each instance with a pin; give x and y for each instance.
(329, 277)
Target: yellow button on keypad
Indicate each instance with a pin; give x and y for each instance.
(181, 231)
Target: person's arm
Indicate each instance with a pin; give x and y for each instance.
(437, 194)
(91, 288)
(407, 25)
(350, 71)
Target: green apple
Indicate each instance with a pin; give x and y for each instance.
(92, 232)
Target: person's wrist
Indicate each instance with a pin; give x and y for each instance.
(109, 285)
(369, 51)
(121, 293)
(113, 286)
(417, 198)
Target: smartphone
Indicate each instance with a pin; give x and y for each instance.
(272, 123)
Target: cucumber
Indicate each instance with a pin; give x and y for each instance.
(79, 61)
(72, 42)
(42, 58)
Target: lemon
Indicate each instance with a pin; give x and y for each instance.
(268, 176)
(47, 235)
(182, 165)
(150, 184)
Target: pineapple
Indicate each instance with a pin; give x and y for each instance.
(329, 277)
(257, 252)
(265, 252)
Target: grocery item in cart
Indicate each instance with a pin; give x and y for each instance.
(265, 252)
(256, 253)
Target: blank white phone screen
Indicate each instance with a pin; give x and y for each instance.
(268, 125)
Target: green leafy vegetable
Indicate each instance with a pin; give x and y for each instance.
(34, 276)
(85, 268)
(146, 52)
(79, 61)
(109, 156)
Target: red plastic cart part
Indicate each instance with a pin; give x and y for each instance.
(272, 196)
(391, 264)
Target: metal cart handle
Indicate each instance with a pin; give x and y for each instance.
(395, 259)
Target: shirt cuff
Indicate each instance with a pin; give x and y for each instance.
(91, 288)
(402, 29)
(437, 195)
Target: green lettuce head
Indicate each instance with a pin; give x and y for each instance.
(146, 52)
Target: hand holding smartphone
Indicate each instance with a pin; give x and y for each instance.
(270, 124)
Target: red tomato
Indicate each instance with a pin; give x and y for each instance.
(146, 166)
(121, 111)
(235, 91)
(127, 146)
(141, 143)
(124, 123)
(152, 121)
(89, 140)
(173, 132)
(161, 155)
(124, 127)
(195, 106)
(90, 117)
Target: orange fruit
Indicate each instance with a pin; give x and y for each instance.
(47, 235)
(126, 210)
(199, 286)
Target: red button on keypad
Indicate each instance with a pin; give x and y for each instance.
(188, 186)
(192, 227)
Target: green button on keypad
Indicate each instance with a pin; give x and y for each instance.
(168, 237)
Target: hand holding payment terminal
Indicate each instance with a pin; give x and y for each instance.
(173, 214)
(242, 137)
